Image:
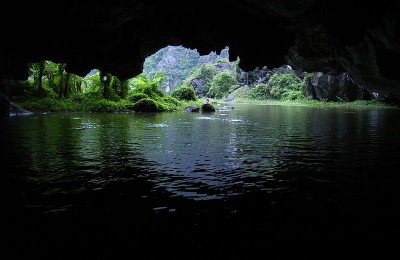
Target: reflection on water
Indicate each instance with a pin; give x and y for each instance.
(247, 180)
(200, 156)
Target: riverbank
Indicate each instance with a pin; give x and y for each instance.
(46, 105)
(316, 103)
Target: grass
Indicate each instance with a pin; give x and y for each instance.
(165, 104)
(316, 103)
(169, 104)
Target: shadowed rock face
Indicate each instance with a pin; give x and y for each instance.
(116, 36)
(4, 107)
(334, 88)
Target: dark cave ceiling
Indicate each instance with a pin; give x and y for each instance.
(360, 37)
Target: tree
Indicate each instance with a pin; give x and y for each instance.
(141, 84)
(222, 84)
(286, 86)
(184, 93)
(205, 73)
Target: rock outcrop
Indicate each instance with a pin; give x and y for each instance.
(4, 107)
(207, 108)
(254, 77)
(192, 109)
(15, 110)
(328, 87)
(179, 62)
(198, 86)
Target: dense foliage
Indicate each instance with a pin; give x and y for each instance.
(50, 88)
(184, 93)
(178, 63)
(223, 83)
(261, 91)
(286, 86)
(280, 86)
(205, 73)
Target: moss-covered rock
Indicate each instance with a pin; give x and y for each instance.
(136, 97)
(146, 105)
(184, 93)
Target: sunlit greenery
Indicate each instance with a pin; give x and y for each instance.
(49, 88)
(281, 86)
(184, 93)
(179, 63)
(317, 103)
(50, 80)
(222, 84)
(205, 74)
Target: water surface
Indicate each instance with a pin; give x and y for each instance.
(252, 177)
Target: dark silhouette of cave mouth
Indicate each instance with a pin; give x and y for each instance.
(116, 36)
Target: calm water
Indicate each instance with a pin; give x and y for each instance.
(241, 182)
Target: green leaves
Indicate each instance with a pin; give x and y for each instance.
(222, 84)
(281, 86)
(184, 93)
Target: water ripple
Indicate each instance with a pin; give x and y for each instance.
(263, 149)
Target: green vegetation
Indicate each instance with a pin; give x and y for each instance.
(205, 74)
(49, 88)
(184, 93)
(214, 74)
(176, 61)
(242, 92)
(285, 86)
(146, 105)
(316, 103)
(222, 84)
(179, 63)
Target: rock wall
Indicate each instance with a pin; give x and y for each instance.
(328, 87)
(4, 107)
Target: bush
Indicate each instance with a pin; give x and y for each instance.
(171, 100)
(167, 103)
(101, 105)
(136, 97)
(86, 97)
(152, 91)
(222, 84)
(184, 93)
(241, 92)
(146, 105)
(286, 86)
(47, 104)
(261, 91)
(205, 74)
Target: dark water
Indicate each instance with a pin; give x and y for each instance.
(250, 182)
